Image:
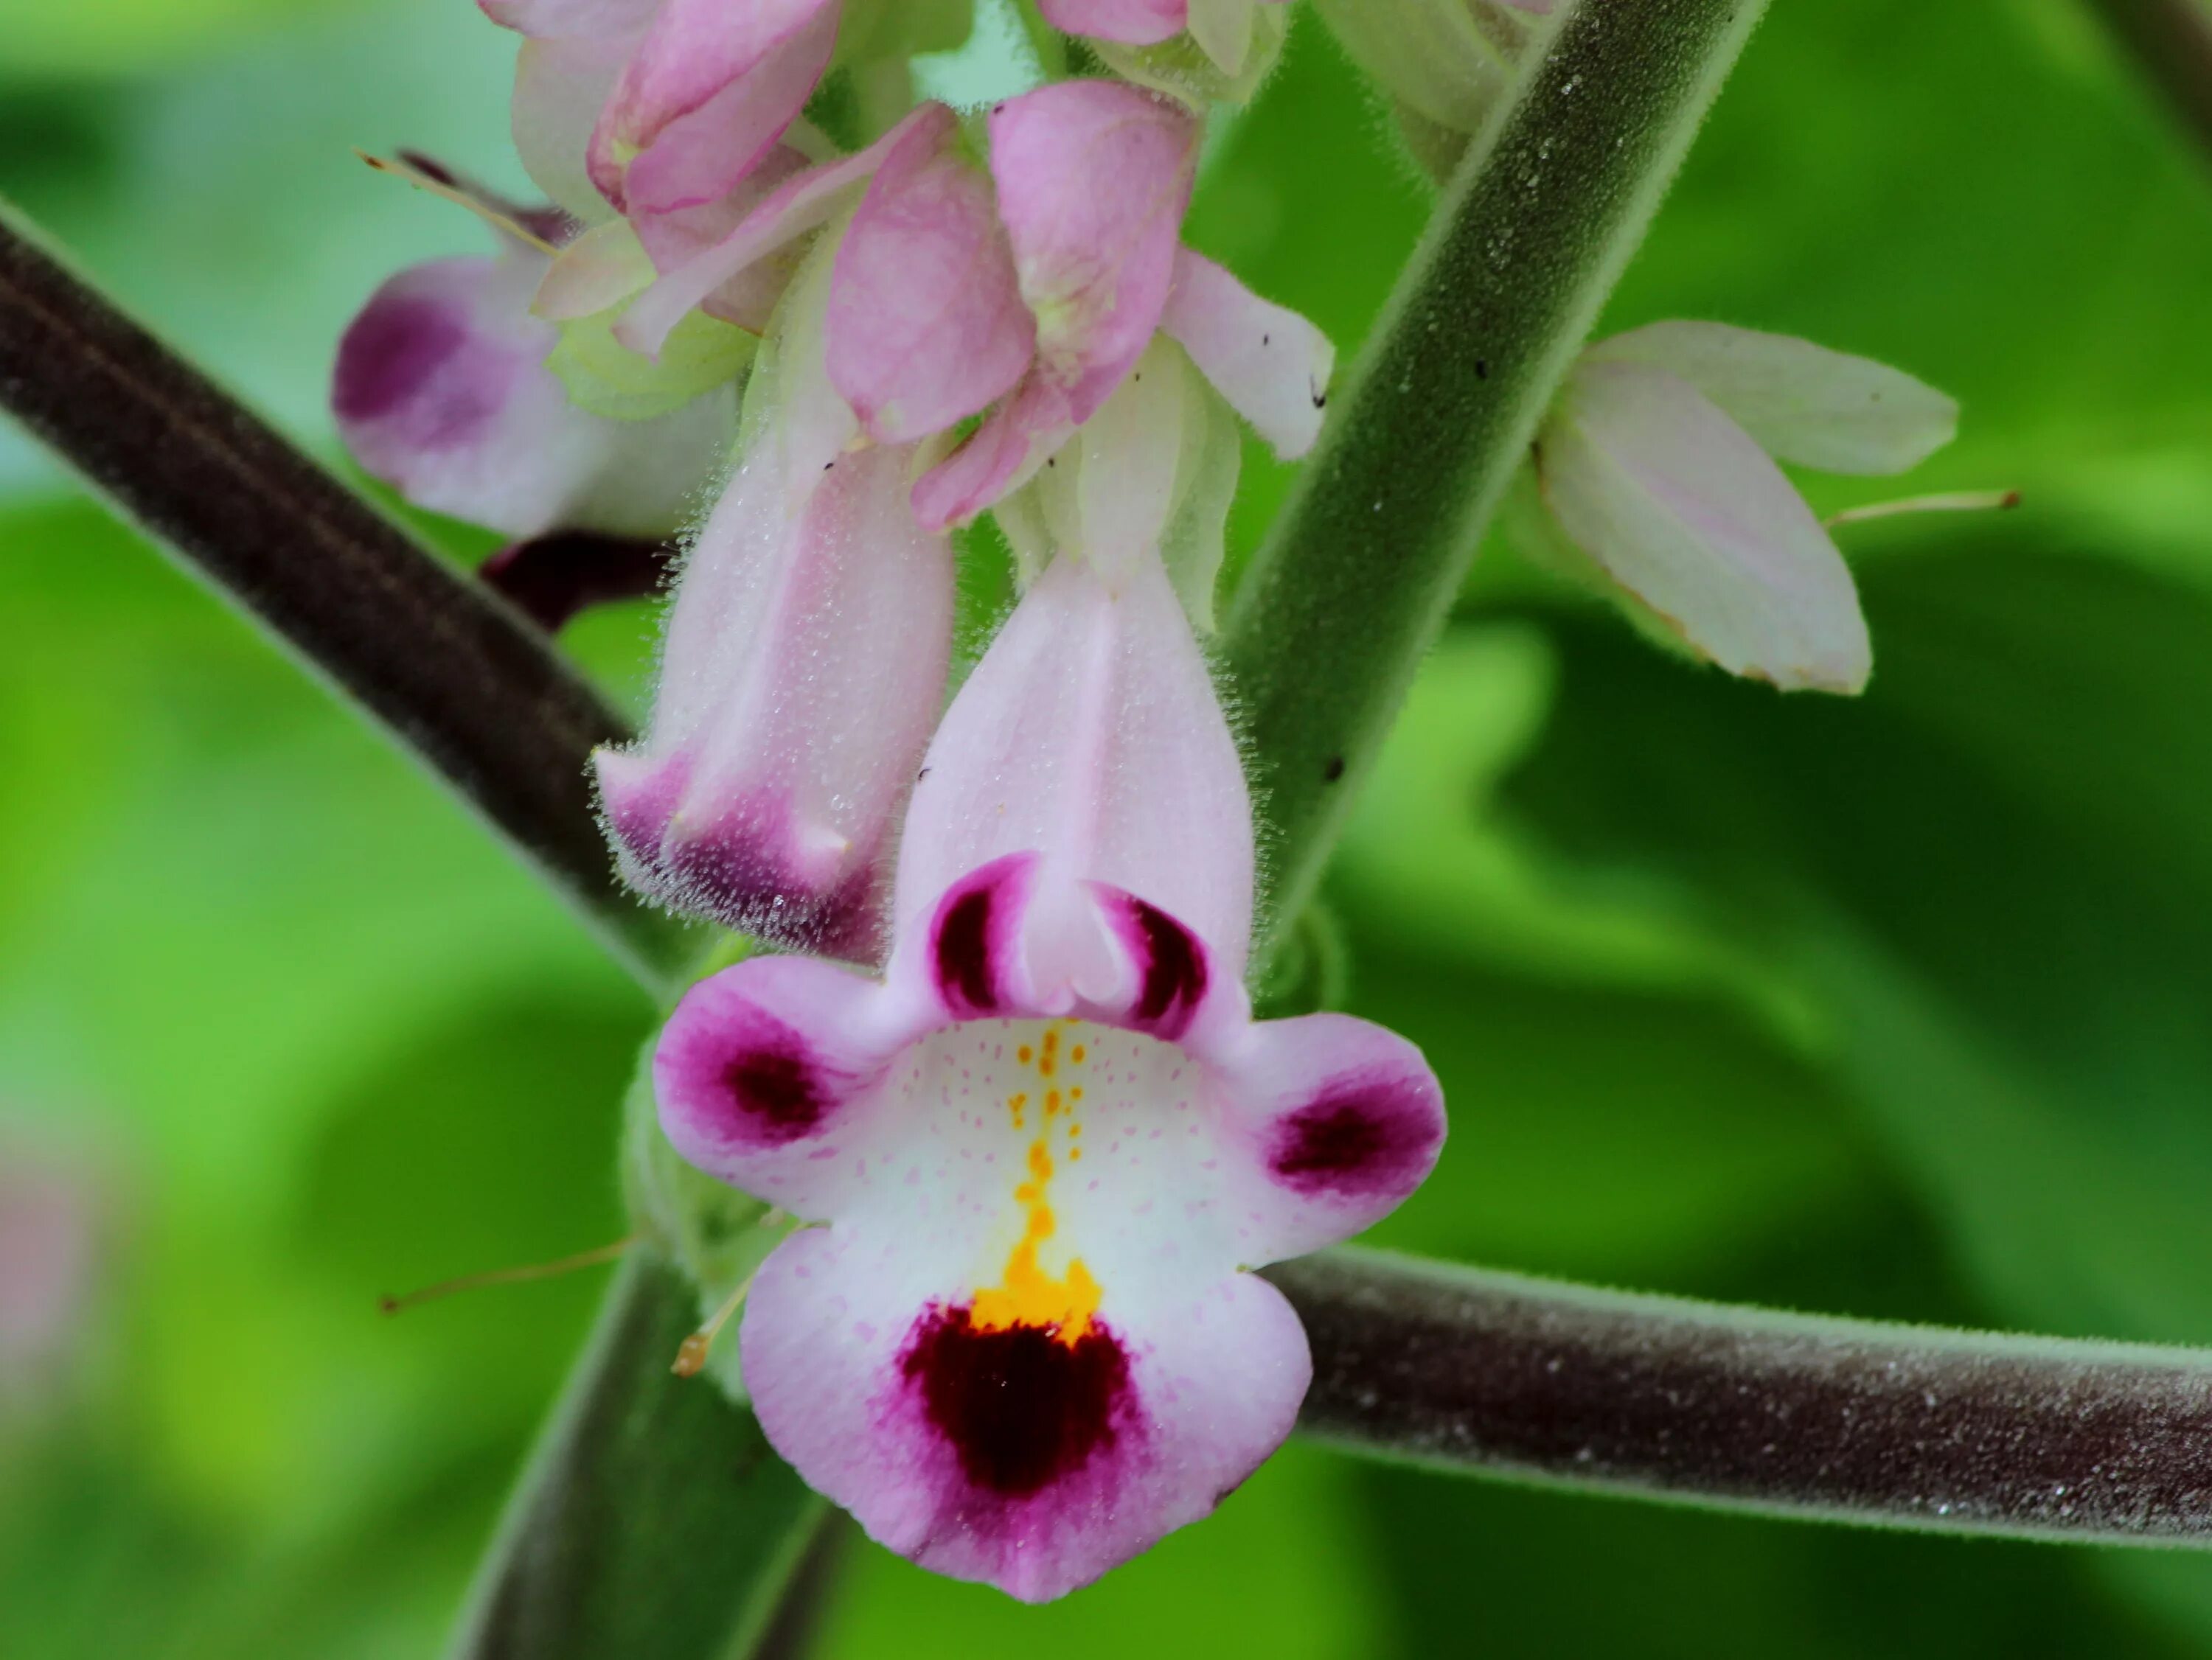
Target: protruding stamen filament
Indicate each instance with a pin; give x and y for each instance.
(502, 1276)
(692, 1355)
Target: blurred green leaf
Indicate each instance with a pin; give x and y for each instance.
(1993, 869)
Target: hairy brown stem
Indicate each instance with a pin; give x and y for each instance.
(1791, 1414)
(459, 678)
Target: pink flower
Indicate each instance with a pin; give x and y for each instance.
(1051, 1139)
(1655, 462)
(442, 389)
(1030, 295)
(658, 106)
(763, 794)
(1092, 180)
(803, 668)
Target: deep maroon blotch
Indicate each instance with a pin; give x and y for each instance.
(778, 1091)
(1019, 1408)
(775, 1083)
(963, 951)
(1175, 971)
(1353, 1138)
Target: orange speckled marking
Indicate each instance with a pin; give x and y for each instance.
(1027, 1294)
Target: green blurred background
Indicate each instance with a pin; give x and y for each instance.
(1897, 1006)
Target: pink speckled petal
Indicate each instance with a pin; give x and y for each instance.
(927, 324)
(441, 389)
(1332, 1123)
(709, 91)
(1271, 364)
(1093, 179)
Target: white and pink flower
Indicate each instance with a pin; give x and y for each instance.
(1658, 462)
(803, 668)
(1050, 1140)
(443, 388)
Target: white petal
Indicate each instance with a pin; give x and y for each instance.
(1109, 491)
(1694, 522)
(1801, 402)
(560, 86)
(1270, 363)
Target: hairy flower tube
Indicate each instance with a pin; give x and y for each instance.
(1658, 464)
(803, 668)
(1050, 1140)
(447, 387)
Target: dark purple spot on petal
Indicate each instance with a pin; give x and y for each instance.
(1020, 1408)
(389, 356)
(1174, 966)
(968, 938)
(1357, 1138)
(777, 1089)
(964, 950)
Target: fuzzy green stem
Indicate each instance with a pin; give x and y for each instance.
(653, 1521)
(1353, 585)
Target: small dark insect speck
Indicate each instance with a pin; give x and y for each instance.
(1482, 368)
(1266, 340)
(1333, 770)
(922, 774)
(1320, 400)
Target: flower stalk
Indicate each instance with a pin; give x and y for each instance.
(617, 1493)
(1793, 1415)
(1552, 199)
